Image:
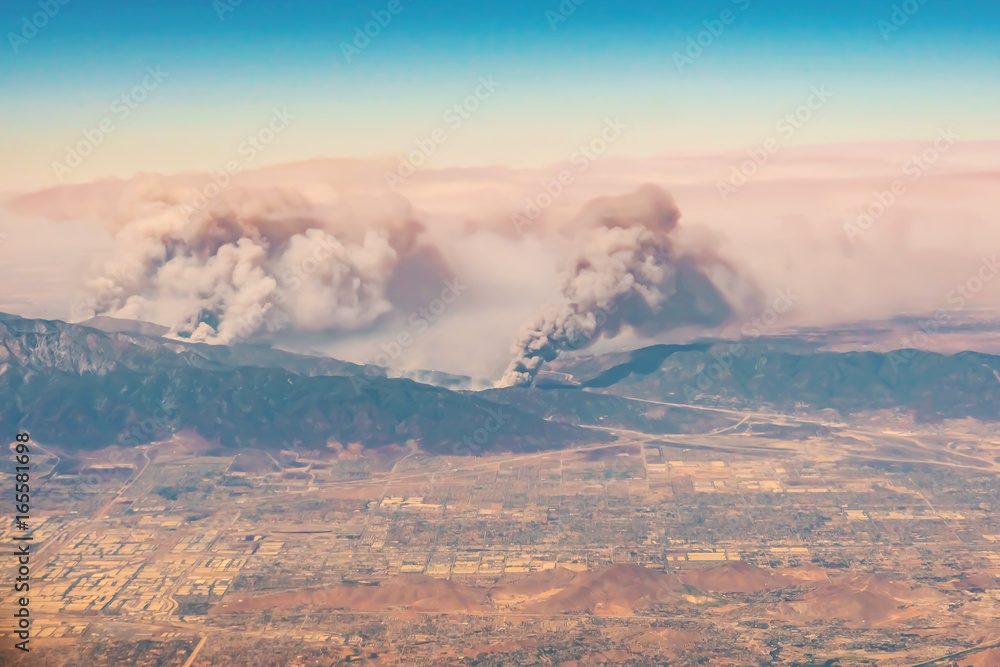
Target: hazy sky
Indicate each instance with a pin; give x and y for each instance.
(853, 99)
(559, 79)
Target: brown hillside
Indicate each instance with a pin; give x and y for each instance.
(537, 585)
(407, 591)
(614, 590)
(864, 601)
(735, 577)
(988, 658)
(976, 582)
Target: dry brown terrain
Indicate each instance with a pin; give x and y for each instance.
(614, 590)
(406, 591)
(987, 658)
(618, 590)
(738, 577)
(870, 600)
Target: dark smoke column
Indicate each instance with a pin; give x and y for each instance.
(624, 272)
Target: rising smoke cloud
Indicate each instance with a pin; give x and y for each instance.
(788, 224)
(252, 260)
(625, 271)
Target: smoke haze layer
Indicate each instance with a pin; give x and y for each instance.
(320, 257)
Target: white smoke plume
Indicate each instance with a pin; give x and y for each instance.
(626, 271)
(789, 224)
(252, 260)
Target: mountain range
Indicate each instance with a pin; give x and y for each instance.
(108, 381)
(82, 387)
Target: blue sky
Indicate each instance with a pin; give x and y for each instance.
(558, 84)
